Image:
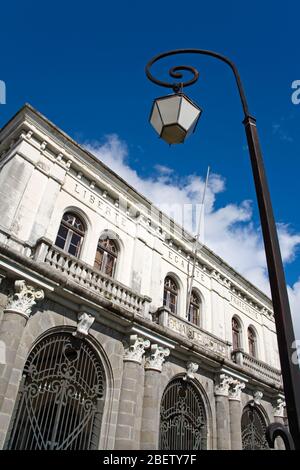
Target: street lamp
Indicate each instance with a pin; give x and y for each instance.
(174, 117)
(283, 320)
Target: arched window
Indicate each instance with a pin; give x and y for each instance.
(194, 310)
(170, 294)
(236, 333)
(252, 342)
(183, 423)
(70, 234)
(106, 256)
(253, 429)
(61, 397)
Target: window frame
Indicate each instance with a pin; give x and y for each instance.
(236, 332)
(168, 292)
(71, 231)
(196, 305)
(251, 331)
(106, 254)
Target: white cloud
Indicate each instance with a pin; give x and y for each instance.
(229, 230)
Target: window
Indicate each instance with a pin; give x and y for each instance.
(70, 234)
(183, 423)
(194, 310)
(106, 256)
(251, 342)
(170, 294)
(236, 334)
(61, 397)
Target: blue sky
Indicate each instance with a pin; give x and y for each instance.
(82, 65)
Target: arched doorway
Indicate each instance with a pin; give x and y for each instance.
(183, 423)
(61, 397)
(253, 429)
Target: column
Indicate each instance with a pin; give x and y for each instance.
(235, 413)
(279, 417)
(15, 317)
(222, 412)
(151, 411)
(130, 405)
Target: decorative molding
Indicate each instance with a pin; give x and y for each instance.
(85, 321)
(157, 357)
(257, 397)
(191, 369)
(279, 407)
(222, 386)
(235, 390)
(24, 298)
(136, 349)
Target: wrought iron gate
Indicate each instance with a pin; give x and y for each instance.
(61, 397)
(182, 418)
(253, 429)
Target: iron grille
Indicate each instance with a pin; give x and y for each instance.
(60, 399)
(253, 429)
(182, 418)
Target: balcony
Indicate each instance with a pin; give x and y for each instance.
(88, 277)
(257, 367)
(192, 332)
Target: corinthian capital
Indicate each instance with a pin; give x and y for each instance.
(23, 299)
(235, 390)
(222, 385)
(157, 357)
(136, 349)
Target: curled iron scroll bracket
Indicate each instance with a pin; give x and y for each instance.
(175, 72)
(275, 430)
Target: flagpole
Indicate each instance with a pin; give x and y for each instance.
(191, 277)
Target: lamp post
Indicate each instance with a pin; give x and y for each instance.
(174, 117)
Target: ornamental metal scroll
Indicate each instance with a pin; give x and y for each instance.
(61, 397)
(183, 424)
(253, 429)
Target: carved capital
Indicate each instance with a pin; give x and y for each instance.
(136, 349)
(191, 369)
(85, 321)
(157, 357)
(235, 390)
(279, 407)
(24, 298)
(222, 385)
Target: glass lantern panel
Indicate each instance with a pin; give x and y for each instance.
(192, 127)
(155, 119)
(173, 134)
(169, 109)
(188, 114)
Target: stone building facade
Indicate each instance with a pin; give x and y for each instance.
(98, 347)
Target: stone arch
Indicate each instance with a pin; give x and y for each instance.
(193, 415)
(37, 330)
(86, 222)
(108, 233)
(254, 422)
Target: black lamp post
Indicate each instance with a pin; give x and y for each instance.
(174, 117)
